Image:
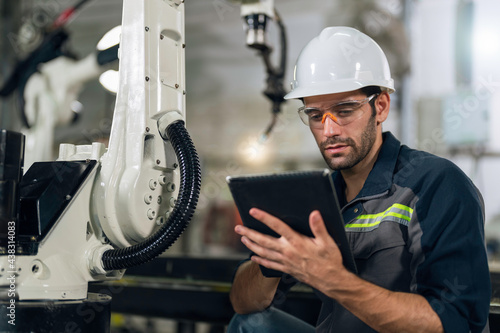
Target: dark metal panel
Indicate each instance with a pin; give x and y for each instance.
(46, 190)
(192, 289)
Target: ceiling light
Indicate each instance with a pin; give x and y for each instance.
(253, 152)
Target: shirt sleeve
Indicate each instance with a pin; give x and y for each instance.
(451, 266)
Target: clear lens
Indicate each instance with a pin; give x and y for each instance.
(343, 113)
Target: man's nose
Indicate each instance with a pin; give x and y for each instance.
(330, 127)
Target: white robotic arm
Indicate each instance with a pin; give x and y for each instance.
(137, 182)
(48, 95)
(95, 211)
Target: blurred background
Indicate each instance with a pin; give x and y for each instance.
(444, 56)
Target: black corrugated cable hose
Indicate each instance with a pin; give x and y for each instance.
(185, 206)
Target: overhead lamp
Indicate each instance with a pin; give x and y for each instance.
(253, 152)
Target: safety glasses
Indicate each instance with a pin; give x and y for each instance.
(342, 113)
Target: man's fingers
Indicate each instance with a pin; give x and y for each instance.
(261, 250)
(269, 263)
(257, 237)
(317, 226)
(278, 226)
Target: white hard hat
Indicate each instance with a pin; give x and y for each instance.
(340, 59)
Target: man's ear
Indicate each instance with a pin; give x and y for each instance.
(382, 106)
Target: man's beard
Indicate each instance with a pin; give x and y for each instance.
(358, 152)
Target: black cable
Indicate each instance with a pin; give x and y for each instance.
(67, 14)
(80, 4)
(275, 90)
(51, 48)
(183, 211)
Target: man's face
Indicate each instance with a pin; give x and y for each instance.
(343, 147)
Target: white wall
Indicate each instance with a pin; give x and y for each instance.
(434, 77)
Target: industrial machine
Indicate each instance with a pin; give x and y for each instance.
(49, 97)
(47, 80)
(97, 211)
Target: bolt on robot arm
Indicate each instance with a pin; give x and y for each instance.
(95, 212)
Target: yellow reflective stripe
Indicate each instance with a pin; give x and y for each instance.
(404, 213)
(388, 212)
(403, 207)
(361, 225)
(404, 217)
(382, 215)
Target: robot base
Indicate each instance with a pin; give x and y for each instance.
(90, 315)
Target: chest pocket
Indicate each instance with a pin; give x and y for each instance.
(369, 233)
(378, 242)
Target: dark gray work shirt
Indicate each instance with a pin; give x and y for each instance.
(417, 226)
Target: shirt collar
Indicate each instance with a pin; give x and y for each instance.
(380, 178)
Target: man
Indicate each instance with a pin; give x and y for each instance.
(414, 221)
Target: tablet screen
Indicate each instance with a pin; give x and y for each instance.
(291, 197)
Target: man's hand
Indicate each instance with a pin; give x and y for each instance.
(312, 260)
(317, 261)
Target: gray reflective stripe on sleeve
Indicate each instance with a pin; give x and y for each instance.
(396, 213)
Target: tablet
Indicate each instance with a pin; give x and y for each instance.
(291, 197)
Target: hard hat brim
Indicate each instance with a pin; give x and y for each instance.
(336, 87)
